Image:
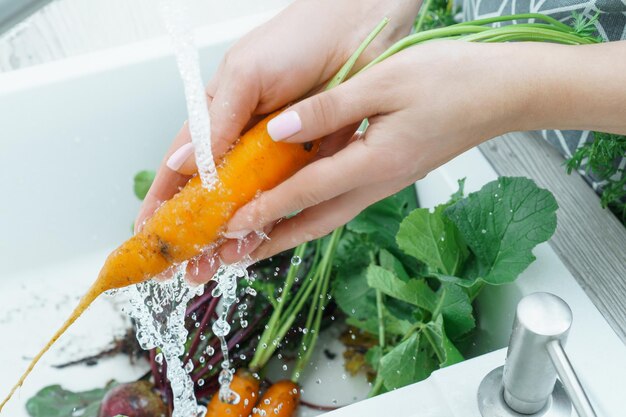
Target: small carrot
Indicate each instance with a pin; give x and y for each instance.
(280, 400)
(244, 384)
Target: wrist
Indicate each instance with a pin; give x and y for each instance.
(569, 87)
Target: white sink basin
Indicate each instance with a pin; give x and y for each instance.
(75, 132)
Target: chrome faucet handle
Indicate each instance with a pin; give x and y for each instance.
(570, 380)
(527, 384)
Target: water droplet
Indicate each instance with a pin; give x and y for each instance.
(200, 382)
(284, 367)
(318, 381)
(296, 260)
(483, 231)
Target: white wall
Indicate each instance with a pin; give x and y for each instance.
(71, 27)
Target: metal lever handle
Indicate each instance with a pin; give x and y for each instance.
(536, 356)
(568, 377)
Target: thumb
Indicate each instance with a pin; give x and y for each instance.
(323, 114)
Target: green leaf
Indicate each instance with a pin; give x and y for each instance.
(353, 295)
(408, 362)
(393, 264)
(373, 355)
(432, 239)
(445, 351)
(393, 325)
(501, 224)
(142, 182)
(415, 291)
(460, 193)
(381, 220)
(55, 401)
(456, 310)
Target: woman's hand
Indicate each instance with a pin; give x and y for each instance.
(425, 105)
(290, 56)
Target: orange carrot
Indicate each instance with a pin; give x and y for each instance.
(195, 218)
(244, 384)
(280, 400)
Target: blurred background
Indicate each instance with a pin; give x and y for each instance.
(37, 31)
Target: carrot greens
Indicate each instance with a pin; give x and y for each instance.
(414, 291)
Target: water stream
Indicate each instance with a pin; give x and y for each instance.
(177, 22)
(159, 307)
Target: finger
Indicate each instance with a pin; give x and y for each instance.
(350, 168)
(233, 250)
(233, 105)
(201, 270)
(166, 183)
(322, 219)
(327, 112)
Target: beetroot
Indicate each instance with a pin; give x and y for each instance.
(135, 399)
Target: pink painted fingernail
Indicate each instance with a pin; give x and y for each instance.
(239, 234)
(178, 158)
(284, 125)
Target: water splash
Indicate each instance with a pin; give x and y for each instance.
(158, 309)
(176, 18)
(227, 277)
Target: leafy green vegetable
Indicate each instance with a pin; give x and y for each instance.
(381, 220)
(55, 401)
(456, 308)
(599, 158)
(583, 26)
(414, 293)
(142, 182)
(434, 240)
(501, 224)
(409, 361)
(446, 352)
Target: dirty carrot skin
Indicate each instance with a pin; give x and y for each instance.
(195, 218)
(280, 400)
(244, 384)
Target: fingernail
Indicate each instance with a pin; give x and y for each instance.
(178, 158)
(239, 234)
(284, 125)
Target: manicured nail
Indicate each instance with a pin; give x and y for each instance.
(284, 125)
(239, 234)
(178, 158)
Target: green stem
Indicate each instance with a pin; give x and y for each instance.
(474, 31)
(439, 306)
(268, 335)
(343, 72)
(424, 12)
(316, 311)
(521, 16)
(381, 321)
(376, 388)
(422, 37)
(537, 33)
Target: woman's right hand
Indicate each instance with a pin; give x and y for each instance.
(290, 56)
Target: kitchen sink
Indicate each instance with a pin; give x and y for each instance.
(74, 133)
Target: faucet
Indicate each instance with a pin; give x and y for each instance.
(527, 384)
